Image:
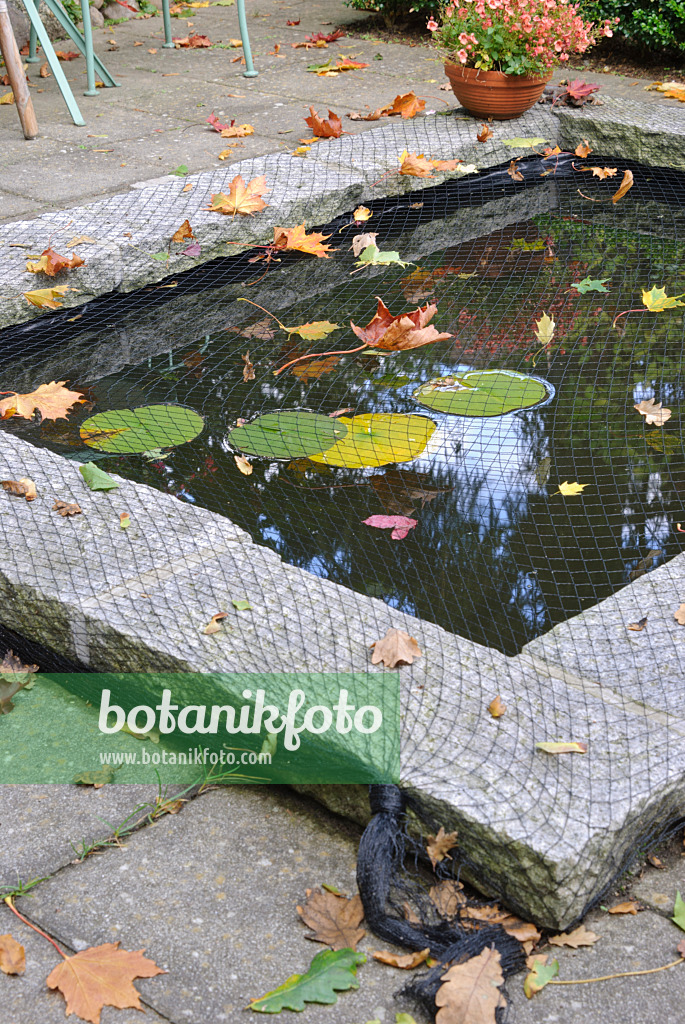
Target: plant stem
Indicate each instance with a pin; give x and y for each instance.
(623, 974)
(313, 355)
(10, 904)
(264, 311)
(625, 313)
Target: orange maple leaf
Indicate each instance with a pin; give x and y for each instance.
(484, 134)
(408, 105)
(51, 263)
(47, 298)
(297, 238)
(583, 149)
(185, 231)
(330, 129)
(53, 401)
(101, 976)
(416, 165)
(241, 198)
(395, 333)
(237, 131)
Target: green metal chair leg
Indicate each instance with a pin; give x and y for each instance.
(249, 71)
(83, 42)
(32, 58)
(168, 41)
(54, 63)
(88, 40)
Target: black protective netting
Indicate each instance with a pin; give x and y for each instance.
(496, 553)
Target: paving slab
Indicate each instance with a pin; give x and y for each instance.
(211, 894)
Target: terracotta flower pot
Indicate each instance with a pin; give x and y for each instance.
(494, 94)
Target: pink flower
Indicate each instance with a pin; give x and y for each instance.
(463, 56)
(432, 24)
(463, 38)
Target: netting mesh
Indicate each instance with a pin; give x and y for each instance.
(497, 554)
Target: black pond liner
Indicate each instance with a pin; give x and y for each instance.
(521, 268)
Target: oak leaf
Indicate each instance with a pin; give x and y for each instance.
(653, 412)
(406, 961)
(248, 368)
(447, 897)
(484, 134)
(67, 508)
(241, 198)
(53, 401)
(22, 488)
(185, 231)
(51, 263)
(101, 976)
(470, 991)
(297, 239)
(395, 648)
(437, 846)
(580, 936)
(330, 129)
(400, 525)
(398, 333)
(12, 956)
(334, 919)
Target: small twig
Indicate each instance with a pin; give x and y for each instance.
(313, 355)
(623, 974)
(10, 904)
(241, 299)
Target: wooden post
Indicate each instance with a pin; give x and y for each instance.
(15, 72)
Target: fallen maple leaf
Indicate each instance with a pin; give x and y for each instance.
(407, 106)
(395, 648)
(12, 956)
(66, 56)
(583, 149)
(568, 490)
(293, 22)
(484, 134)
(626, 184)
(66, 508)
(580, 936)
(237, 131)
(314, 331)
(437, 846)
(470, 993)
(416, 165)
(248, 368)
(400, 525)
(580, 90)
(185, 231)
(22, 488)
(541, 973)
(629, 907)
(398, 333)
(101, 976)
(53, 401)
(241, 198)
(298, 240)
(46, 298)
(330, 129)
(513, 171)
(216, 124)
(191, 42)
(214, 624)
(243, 464)
(447, 897)
(51, 263)
(334, 919)
(406, 961)
(653, 412)
(496, 707)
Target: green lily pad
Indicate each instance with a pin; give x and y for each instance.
(293, 434)
(483, 393)
(377, 439)
(129, 431)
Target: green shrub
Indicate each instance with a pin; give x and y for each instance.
(393, 11)
(648, 24)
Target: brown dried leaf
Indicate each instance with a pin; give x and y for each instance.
(214, 624)
(629, 907)
(66, 508)
(679, 615)
(360, 242)
(653, 412)
(44, 70)
(330, 129)
(601, 172)
(395, 648)
(12, 956)
(447, 897)
(334, 920)
(101, 976)
(51, 263)
(637, 627)
(625, 185)
(496, 707)
(413, 918)
(583, 149)
(407, 106)
(406, 961)
(185, 231)
(524, 931)
(315, 368)
(580, 936)
(237, 131)
(437, 846)
(248, 368)
(243, 464)
(484, 134)
(514, 172)
(416, 165)
(404, 331)
(470, 991)
(53, 401)
(22, 488)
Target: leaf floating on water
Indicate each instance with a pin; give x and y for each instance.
(404, 331)
(330, 971)
(542, 471)
(248, 368)
(653, 412)
(334, 919)
(373, 257)
(569, 490)
(545, 328)
(400, 525)
(96, 478)
(562, 748)
(580, 936)
(101, 976)
(67, 508)
(22, 488)
(540, 975)
(53, 401)
(315, 368)
(243, 464)
(482, 393)
(656, 300)
(638, 626)
(406, 961)
(377, 439)
(645, 563)
(496, 707)
(290, 434)
(214, 624)
(314, 331)
(590, 284)
(438, 846)
(395, 648)
(470, 991)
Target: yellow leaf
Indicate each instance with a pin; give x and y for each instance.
(241, 198)
(626, 184)
(47, 298)
(562, 748)
(235, 43)
(540, 975)
(362, 213)
(53, 401)
(656, 300)
(7, 98)
(315, 331)
(568, 489)
(378, 439)
(545, 329)
(237, 131)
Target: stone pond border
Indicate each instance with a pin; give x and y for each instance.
(546, 834)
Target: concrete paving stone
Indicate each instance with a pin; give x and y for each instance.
(26, 999)
(211, 895)
(626, 943)
(657, 887)
(38, 824)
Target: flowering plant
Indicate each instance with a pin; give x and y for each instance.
(518, 37)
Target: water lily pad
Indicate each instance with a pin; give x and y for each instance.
(377, 439)
(483, 393)
(293, 434)
(129, 431)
